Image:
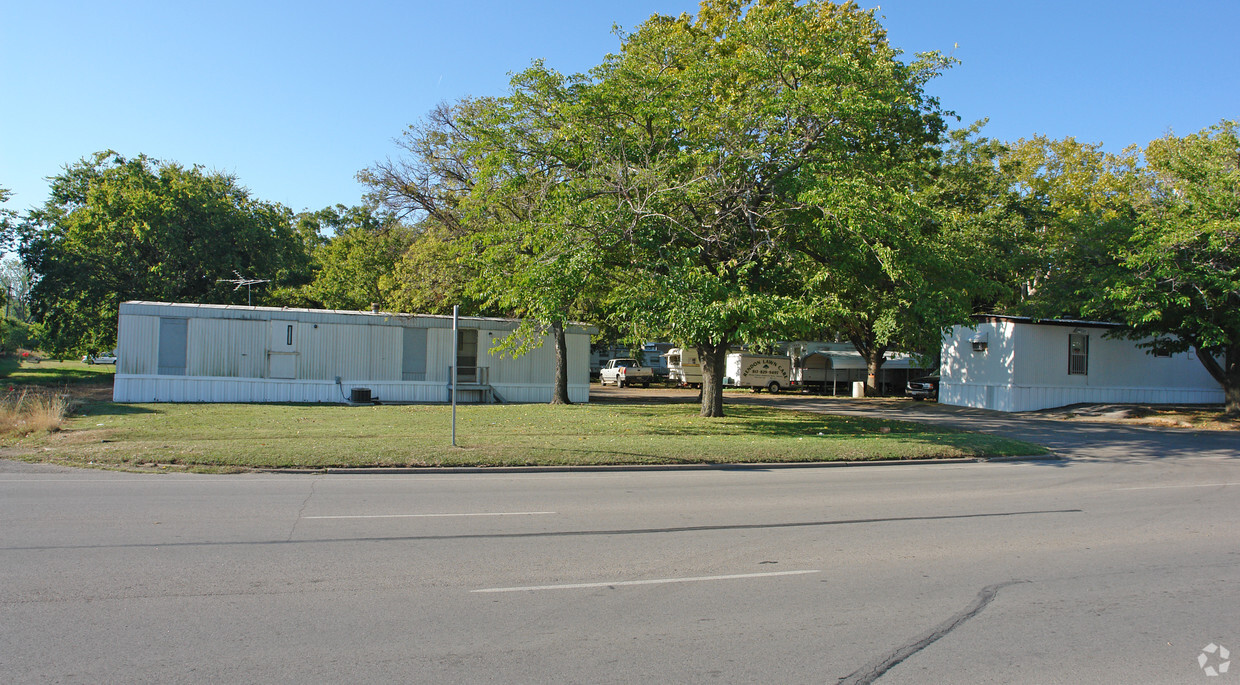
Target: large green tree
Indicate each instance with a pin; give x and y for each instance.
(1078, 214)
(354, 266)
(486, 178)
(9, 220)
(16, 280)
(535, 245)
(425, 187)
(732, 141)
(1181, 279)
(117, 229)
(943, 245)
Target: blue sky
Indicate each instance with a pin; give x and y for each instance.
(295, 97)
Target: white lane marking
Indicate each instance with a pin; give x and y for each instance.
(1165, 487)
(657, 581)
(430, 516)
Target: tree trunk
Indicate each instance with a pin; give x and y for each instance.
(1227, 374)
(873, 364)
(866, 344)
(559, 394)
(714, 359)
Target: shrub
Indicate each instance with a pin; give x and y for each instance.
(14, 334)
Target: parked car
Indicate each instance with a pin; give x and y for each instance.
(105, 358)
(924, 388)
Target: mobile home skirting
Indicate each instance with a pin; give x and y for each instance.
(1032, 398)
(131, 388)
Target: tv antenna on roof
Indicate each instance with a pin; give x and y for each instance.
(243, 281)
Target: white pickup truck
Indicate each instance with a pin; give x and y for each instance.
(622, 372)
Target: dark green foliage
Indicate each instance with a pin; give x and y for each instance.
(1181, 269)
(117, 229)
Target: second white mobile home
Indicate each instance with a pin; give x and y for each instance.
(1013, 363)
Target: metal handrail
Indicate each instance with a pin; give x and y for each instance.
(479, 374)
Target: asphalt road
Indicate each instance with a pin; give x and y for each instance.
(1118, 563)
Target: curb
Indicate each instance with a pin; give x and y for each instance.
(621, 468)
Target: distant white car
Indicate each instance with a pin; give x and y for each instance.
(105, 358)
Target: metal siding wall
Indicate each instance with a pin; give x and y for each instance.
(353, 352)
(199, 389)
(534, 367)
(996, 366)
(579, 360)
(1045, 397)
(1033, 398)
(227, 348)
(384, 345)
(365, 350)
(1120, 363)
(439, 354)
(249, 340)
(1044, 356)
(138, 344)
(960, 395)
(322, 357)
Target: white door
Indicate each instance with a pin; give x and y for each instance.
(282, 357)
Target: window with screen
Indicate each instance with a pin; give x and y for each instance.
(1078, 354)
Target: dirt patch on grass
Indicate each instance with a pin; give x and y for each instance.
(1200, 417)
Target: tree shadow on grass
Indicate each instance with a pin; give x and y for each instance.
(53, 373)
(742, 420)
(107, 408)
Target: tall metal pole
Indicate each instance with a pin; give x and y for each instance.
(456, 342)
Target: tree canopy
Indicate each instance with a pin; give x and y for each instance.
(353, 268)
(1181, 268)
(731, 143)
(8, 218)
(117, 229)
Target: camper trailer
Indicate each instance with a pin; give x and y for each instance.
(757, 371)
(833, 368)
(683, 367)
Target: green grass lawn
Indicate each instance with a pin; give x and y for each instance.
(16, 372)
(237, 436)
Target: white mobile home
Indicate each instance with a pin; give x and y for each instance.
(1010, 363)
(221, 353)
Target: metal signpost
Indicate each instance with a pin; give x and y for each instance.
(452, 369)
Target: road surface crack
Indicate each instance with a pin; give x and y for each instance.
(302, 510)
(874, 670)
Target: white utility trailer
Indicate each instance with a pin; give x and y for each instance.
(757, 371)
